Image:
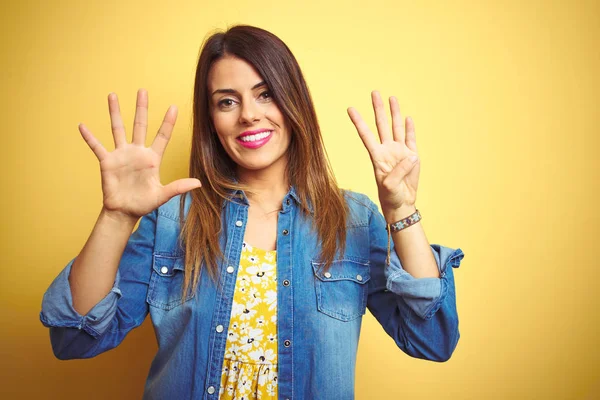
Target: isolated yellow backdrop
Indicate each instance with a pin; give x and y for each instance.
(505, 100)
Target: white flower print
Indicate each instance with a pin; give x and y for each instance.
(247, 314)
(235, 352)
(243, 281)
(253, 337)
(263, 377)
(237, 308)
(270, 257)
(262, 355)
(254, 297)
(244, 326)
(271, 299)
(267, 283)
(249, 370)
(246, 345)
(260, 272)
(230, 389)
(232, 337)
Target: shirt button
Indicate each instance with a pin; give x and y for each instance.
(239, 223)
(230, 269)
(219, 328)
(287, 202)
(210, 390)
(358, 277)
(285, 232)
(327, 275)
(287, 343)
(164, 270)
(286, 283)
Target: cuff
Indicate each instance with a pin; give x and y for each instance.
(424, 295)
(58, 311)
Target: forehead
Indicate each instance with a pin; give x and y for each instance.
(232, 73)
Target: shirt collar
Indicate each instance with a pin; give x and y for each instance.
(238, 196)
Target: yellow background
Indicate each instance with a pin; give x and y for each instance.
(505, 100)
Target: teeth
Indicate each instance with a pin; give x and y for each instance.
(253, 138)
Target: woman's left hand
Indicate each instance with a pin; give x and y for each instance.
(395, 159)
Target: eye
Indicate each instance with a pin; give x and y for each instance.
(266, 94)
(225, 103)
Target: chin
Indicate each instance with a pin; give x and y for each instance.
(259, 163)
(255, 166)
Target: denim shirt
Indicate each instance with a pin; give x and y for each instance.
(319, 314)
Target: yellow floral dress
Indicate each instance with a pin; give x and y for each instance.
(250, 365)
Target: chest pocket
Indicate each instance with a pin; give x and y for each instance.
(166, 282)
(342, 291)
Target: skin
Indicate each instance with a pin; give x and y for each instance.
(131, 184)
(239, 103)
(131, 188)
(396, 166)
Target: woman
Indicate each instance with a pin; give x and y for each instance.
(257, 270)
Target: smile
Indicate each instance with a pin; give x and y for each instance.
(255, 140)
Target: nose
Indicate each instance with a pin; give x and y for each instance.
(250, 112)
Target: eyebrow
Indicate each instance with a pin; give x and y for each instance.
(259, 84)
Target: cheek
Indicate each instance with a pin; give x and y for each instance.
(224, 123)
(275, 115)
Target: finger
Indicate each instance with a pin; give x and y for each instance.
(116, 123)
(397, 125)
(140, 123)
(94, 144)
(383, 127)
(411, 138)
(362, 129)
(400, 171)
(164, 133)
(180, 186)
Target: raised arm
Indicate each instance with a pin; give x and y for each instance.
(104, 288)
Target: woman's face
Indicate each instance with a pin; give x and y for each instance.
(246, 118)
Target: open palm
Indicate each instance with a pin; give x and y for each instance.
(130, 174)
(395, 159)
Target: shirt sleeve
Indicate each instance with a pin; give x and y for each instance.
(104, 327)
(419, 313)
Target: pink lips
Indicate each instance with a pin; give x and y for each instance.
(256, 143)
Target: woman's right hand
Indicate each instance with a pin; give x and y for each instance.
(130, 174)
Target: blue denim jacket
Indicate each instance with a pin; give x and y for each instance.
(319, 315)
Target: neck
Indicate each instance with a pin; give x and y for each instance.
(267, 187)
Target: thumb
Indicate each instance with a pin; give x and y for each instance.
(180, 186)
(400, 171)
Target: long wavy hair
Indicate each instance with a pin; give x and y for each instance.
(308, 168)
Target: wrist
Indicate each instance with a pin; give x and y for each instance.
(396, 214)
(117, 217)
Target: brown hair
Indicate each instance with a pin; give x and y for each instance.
(308, 168)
